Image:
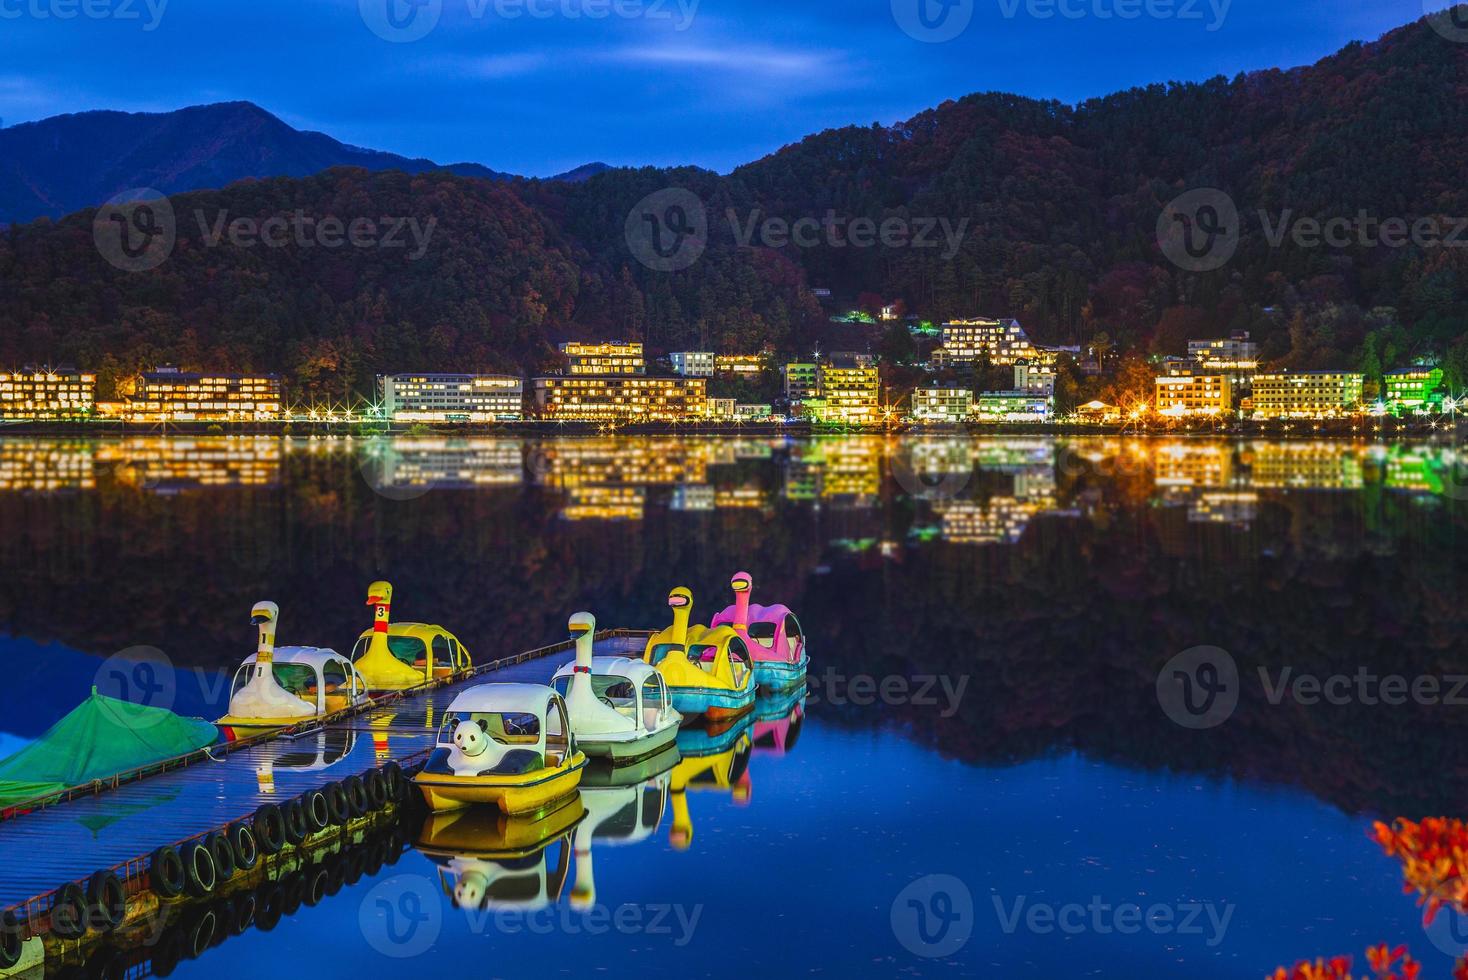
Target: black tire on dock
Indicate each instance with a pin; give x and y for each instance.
(397, 783)
(223, 854)
(69, 911)
(11, 943)
(244, 845)
(106, 901)
(200, 874)
(377, 791)
(269, 826)
(318, 812)
(297, 827)
(358, 799)
(166, 872)
(336, 803)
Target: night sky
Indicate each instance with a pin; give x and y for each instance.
(520, 86)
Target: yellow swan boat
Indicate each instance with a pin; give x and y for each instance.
(504, 744)
(709, 672)
(398, 656)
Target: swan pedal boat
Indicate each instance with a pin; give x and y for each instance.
(282, 688)
(773, 635)
(709, 672)
(509, 745)
(620, 708)
(400, 656)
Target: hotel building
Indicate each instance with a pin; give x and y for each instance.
(693, 364)
(452, 397)
(170, 395)
(1012, 406)
(1001, 343)
(942, 404)
(1236, 355)
(1188, 394)
(45, 394)
(1414, 388)
(1307, 394)
(741, 365)
(615, 357)
(621, 399)
(802, 381)
(850, 387)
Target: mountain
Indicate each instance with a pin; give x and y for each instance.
(1054, 210)
(584, 172)
(66, 163)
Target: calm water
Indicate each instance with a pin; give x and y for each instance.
(1015, 599)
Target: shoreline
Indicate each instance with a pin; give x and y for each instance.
(1300, 429)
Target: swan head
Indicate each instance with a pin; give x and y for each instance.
(680, 598)
(470, 890)
(582, 624)
(741, 582)
(264, 612)
(379, 594)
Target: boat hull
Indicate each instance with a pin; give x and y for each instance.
(711, 702)
(530, 793)
(621, 751)
(780, 675)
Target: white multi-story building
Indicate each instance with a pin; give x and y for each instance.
(693, 364)
(452, 397)
(942, 404)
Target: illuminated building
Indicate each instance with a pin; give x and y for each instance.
(721, 408)
(942, 404)
(45, 394)
(696, 498)
(746, 412)
(693, 364)
(614, 357)
(1098, 413)
(802, 381)
(170, 395)
(606, 399)
(741, 498)
(1181, 395)
(1012, 406)
(967, 343)
(1236, 356)
(669, 461)
(452, 397)
(1307, 394)
(1190, 465)
(1240, 508)
(741, 365)
(850, 386)
(1037, 379)
(1414, 388)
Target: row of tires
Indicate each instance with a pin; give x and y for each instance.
(198, 867)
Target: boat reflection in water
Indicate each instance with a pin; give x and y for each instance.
(715, 758)
(624, 805)
(777, 723)
(490, 861)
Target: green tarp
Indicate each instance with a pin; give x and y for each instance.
(101, 738)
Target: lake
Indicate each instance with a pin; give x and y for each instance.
(1097, 706)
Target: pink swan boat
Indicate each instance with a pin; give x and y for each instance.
(773, 635)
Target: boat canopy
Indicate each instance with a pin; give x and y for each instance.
(528, 699)
(635, 671)
(101, 737)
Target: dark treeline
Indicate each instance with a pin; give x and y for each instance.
(1059, 205)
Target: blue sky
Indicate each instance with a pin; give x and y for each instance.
(709, 82)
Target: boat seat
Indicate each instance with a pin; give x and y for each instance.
(649, 718)
(337, 702)
(516, 762)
